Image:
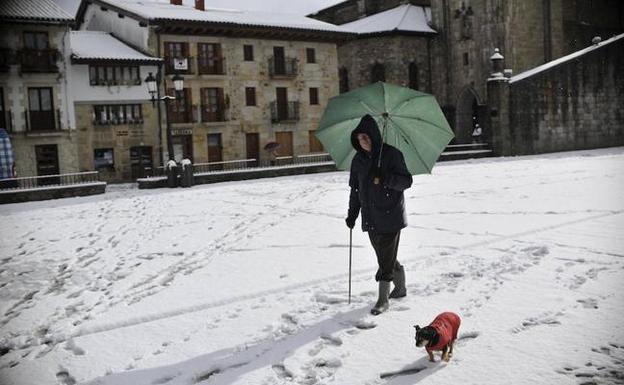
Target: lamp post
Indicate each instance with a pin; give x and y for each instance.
(152, 87)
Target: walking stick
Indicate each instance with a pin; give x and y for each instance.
(350, 247)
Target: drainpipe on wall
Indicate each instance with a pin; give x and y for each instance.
(66, 64)
(547, 31)
(447, 43)
(159, 75)
(430, 90)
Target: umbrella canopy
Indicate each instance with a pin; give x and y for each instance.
(6, 155)
(271, 146)
(409, 120)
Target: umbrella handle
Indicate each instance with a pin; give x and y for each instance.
(350, 252)
(383, 137)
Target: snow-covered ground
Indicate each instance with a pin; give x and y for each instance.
(246, 282)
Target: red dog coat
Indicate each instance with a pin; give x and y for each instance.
(447, 325)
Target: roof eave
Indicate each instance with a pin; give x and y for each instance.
(175, 26)
(87, 60)
(38, 21)
(396, 32)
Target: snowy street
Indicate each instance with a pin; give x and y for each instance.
(246, 282)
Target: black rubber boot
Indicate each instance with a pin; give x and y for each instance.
(382, 302)
(399, 290)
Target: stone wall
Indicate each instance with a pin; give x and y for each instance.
(394, 52)
(351, 10)
(242, 119)
(121, 138)
(15, 85)
(572, 106)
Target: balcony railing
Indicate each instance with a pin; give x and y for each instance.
(6, 58)
(179, 65)
(284, 112)
(117, 121)
(42, 121)
(282, 68)
(212, 116)
(211, 66)
(6, 120)
(50, 180)
(253, 164)
(185, 116)
(39, 60)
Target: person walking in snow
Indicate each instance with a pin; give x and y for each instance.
(377, 191)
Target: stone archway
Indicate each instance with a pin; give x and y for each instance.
(469, 112)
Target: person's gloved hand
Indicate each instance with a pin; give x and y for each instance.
(350, 222)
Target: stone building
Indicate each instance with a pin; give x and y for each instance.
(528, 33)
(116, 123)
(249, 78)
(34, 105)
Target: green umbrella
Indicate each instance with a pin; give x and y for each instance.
(409, 120)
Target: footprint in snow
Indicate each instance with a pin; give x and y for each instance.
(281, 372)
(588, 303)
(64, 378)
(365, 325)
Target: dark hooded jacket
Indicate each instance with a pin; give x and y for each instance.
(383, 204)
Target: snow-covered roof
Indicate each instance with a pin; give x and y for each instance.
(404, 18)
(564, 59)
(164, 11)
(97, 45)
(33, 11)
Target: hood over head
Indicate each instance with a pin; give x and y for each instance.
(367, 126)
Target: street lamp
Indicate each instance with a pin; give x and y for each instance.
(152, 88)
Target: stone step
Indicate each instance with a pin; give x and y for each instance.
(467, 147)
(464, 152)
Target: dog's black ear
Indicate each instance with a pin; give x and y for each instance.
(417, 328)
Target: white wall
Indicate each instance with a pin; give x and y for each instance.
(15, 85)
(127, 29)
(82, 91)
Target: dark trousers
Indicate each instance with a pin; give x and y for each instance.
(386, 247)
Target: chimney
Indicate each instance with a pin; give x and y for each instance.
(175, 2)
(199, 5)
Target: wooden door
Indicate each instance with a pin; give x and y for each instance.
(279, 61)
(183, 147)
(285, 139)
(47, 163)
(215, 151)
(282, 103)
(3, 120)
(315, 144)
(41, 109)
(141, 161)
(253, 148)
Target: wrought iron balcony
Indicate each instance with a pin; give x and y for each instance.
(43, 121)
(212, 116)
(39, 60)
(283, 68)
(211, 66)
(6, 120)
(179, 65)
(6, 59)
(284, 112)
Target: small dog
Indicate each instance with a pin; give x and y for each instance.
(439, 335)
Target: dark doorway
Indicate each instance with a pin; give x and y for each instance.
(282, 103)
(47, 164)
(215, 151)
(183, 147)
(253, 148)
(285, 139)
(41, 109)
(469, 113)
(141, 161)
(279, 60)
